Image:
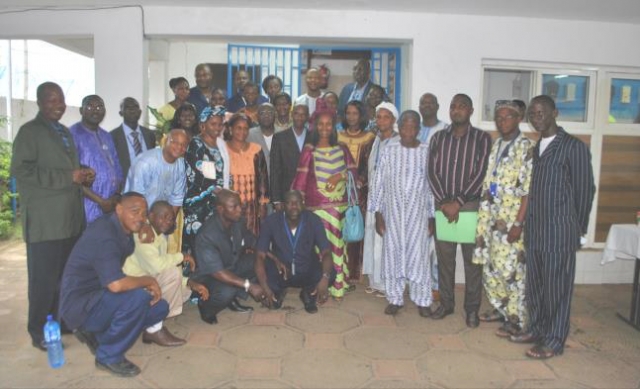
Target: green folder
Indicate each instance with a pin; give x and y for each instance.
(464, 231)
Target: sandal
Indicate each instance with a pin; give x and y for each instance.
(380, 294)
(540, 352)
(491, 316)
(350, 288)
(369, 290)
(507, 329)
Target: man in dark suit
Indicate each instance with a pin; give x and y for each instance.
(130, 138)
(285, 152)
(560, 199)
(49, 178)
(357, 90)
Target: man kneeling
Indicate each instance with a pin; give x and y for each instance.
(152, 259)
(293, 235)
(225, 258)
(107, 308)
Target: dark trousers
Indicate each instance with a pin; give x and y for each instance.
(550, 278)
(221, 294)
(118, 319)
(307, 280)
(45, 264)
(446, 252)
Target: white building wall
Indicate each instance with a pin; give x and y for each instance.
(444, 52)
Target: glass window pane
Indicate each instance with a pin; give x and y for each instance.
(625, 101)
(504, 84)
(570, 94)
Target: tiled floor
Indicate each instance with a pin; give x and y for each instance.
(352, 344)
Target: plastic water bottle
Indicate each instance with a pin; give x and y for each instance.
(53, 340)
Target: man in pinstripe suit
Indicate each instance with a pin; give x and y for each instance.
(560, 198)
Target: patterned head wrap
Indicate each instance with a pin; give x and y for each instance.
(391, 108)
(208, 112)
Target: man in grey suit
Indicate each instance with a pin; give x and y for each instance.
(262, 134)
(49, 177)
(357, 90)
(560, 199)
(285, 152)
(130, 138)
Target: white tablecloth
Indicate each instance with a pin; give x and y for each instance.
(623, 242)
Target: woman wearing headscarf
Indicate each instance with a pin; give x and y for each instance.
(386, 122)
(248, 168)
(180, 88)
(322, 178)
(359, 143)
(282, 103)
(207, 169)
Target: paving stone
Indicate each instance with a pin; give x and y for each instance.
(258, 367)
(378, 320)
(546, 384)
(446, 342)
(323, 341)
(584, 322)
(395, 368)
(106, 381)
(327, 320)
(529, 370)
(451, 324)
(261, 341)
(203, 338)
(462, 369)
(255, 384)
(603, 371)
(399, 384)
(386, 343)
(326, 369)
(268, 318)
(190, 367)
(484, 341)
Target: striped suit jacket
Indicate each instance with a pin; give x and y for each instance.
(561, 195)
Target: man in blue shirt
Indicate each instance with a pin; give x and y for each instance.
(293, 235)
(107, 308)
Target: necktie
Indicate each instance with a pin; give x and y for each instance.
(137, 147)
(65, 139)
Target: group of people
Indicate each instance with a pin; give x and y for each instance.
(249, 198)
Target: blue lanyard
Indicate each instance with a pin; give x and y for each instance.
(293, 239)
(503, 153)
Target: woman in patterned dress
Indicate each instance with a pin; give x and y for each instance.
(499, 244)
(249, 175)
(359, 143)
(321, 176)
(207, 168)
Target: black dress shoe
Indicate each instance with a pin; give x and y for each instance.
(87, 338)
(309, 302)
(473, 320)
(441, 312)
(392, 309)
(39, 344)
(123, 368)
(235, 306)
(425, 311)
(209, 319)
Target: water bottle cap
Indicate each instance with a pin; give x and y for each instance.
(49, 317)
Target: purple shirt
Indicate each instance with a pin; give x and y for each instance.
(97, 151)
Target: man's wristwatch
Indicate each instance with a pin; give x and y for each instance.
(247, 285)
(517, 224)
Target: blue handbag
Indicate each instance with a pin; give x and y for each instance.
(353, 228)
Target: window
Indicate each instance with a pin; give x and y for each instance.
(624, 103)
(570, 93)
(504, 84)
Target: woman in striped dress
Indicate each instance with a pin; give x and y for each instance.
(321, 176)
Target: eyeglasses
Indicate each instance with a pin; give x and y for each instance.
(96, 108)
